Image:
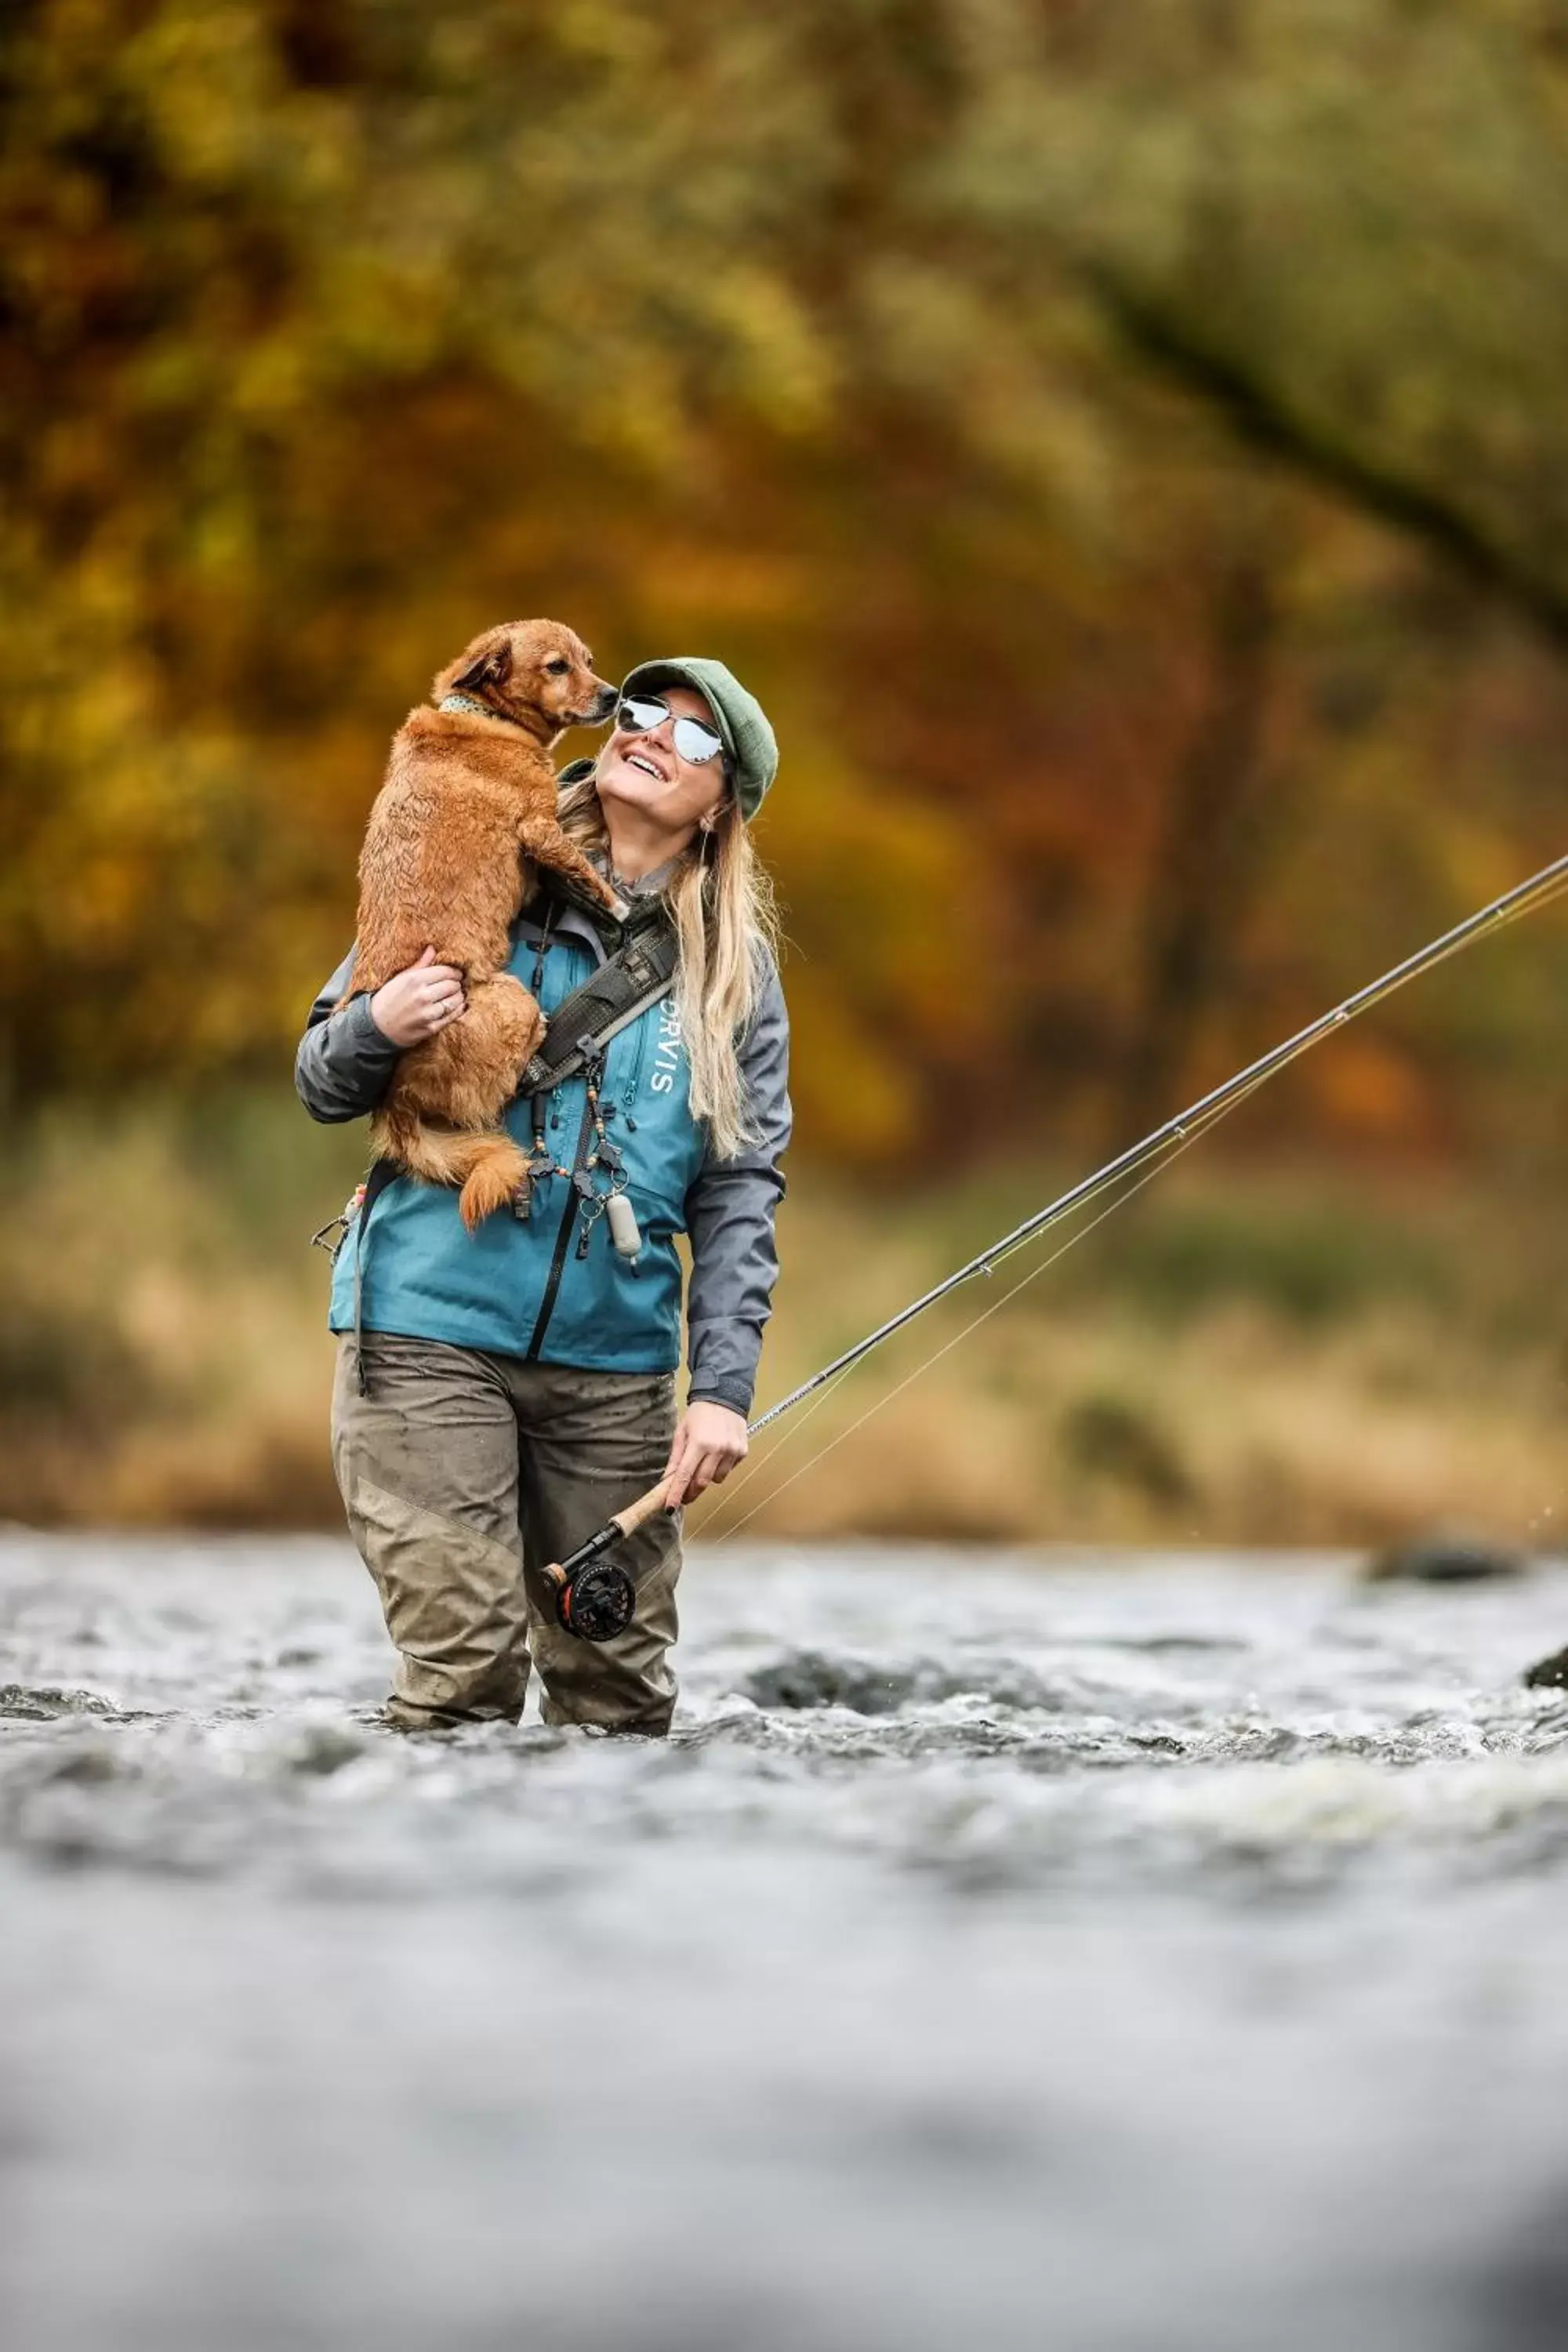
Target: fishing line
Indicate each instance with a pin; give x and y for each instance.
(756, 1464)
(1166, 1145)
(724, 1534)
(734, 1487)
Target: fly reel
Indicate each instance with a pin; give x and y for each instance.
(594, 1598)
(596, 1604)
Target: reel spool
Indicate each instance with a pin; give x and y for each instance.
(598, 1603)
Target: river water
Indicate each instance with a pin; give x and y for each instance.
(1106, 1954)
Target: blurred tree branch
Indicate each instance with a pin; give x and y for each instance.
(914, 353)
(1264, 417)
(1211, 833)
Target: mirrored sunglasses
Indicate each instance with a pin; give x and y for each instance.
(639, 714)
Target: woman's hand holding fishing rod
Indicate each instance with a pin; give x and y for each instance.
(711, 1439)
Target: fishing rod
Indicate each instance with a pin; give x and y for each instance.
(595, 1599)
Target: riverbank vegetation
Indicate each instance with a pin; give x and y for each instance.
(1248, 1353)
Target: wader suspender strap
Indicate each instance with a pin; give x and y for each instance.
(640, 972)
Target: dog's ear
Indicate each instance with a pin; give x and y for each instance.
(491, 670)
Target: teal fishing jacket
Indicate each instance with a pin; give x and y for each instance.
(551, 1287)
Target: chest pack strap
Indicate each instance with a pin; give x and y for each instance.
(638, 974)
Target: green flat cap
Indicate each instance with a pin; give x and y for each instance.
(739, 717)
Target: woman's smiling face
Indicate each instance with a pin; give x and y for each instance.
(646, 772)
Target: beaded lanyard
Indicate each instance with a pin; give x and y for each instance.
(603, 1157)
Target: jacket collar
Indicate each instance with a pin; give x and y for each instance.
(646, 885)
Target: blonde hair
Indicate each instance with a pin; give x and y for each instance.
(721, 899)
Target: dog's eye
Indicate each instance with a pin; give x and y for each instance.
(558, 667)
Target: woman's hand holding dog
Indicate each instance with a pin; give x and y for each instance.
(413, 1004)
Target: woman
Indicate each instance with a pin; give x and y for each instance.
(500, 1394)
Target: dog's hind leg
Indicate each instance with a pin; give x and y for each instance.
(441, 1117)
(467, 1074)
(501, 1028)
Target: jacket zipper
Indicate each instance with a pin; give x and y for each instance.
(629, 1091)
(562, 1242)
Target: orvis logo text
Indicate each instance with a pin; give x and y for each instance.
(668, 1051)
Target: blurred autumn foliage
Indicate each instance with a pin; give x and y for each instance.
(1126, 448)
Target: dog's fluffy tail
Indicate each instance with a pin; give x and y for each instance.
(489, 1166)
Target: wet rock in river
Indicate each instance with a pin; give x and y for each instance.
(323, 1748)
(1444, 1559)
(1524, 2302)
(1549, 1674)
(39, 1706)
(813, 1678)
(808, 1678)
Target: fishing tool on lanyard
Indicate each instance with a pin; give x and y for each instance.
(603, 1159)
(597, 1599)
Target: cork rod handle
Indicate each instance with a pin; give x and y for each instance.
(627, 1522)
(646, 1507)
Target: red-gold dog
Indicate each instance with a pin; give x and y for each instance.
(466, 811)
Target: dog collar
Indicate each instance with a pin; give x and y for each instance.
(480, 709)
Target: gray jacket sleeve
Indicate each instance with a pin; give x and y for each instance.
(730, 1217)
(344, 1064)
